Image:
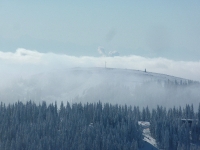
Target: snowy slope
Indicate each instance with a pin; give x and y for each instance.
(122, 86)
(150, 142)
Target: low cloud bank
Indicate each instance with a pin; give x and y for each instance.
(24, 62)
(31, 75)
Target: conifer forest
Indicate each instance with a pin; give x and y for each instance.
(77, 126)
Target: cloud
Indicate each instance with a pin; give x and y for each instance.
(113, 53)
(25, 62)
(101, 51)
(31, 75)
(21, 55)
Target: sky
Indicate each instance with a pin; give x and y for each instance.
(158, 35)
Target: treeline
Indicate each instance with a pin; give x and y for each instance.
(181, 83)
(74, 127)
(98, 126)
(175, 129)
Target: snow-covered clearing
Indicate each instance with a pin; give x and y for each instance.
(150, 142)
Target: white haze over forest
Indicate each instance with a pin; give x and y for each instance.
(27, 74)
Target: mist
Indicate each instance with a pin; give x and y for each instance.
(25, 61)
(31, 75)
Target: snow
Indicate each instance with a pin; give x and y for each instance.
(147, 136)
(151, 142)
(121, 86)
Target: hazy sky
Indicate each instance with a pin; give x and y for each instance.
(161, 36)
(168, 29)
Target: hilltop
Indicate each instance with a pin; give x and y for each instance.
(122, 86)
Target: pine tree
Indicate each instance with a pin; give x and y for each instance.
(194, 132)
(166, 140)
(198, 124)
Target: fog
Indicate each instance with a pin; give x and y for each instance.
(30, 75)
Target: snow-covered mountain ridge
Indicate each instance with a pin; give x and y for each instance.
(122, 86)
